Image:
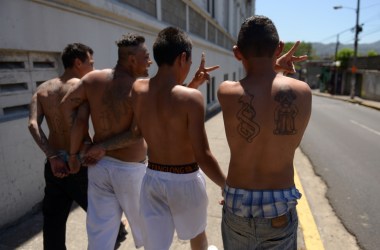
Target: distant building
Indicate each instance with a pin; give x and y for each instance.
(34, 32)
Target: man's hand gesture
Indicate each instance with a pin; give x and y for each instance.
(202, 73)
(285, 63)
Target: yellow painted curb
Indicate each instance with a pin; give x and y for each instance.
(310, 231)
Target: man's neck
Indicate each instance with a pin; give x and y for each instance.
(123, 71)
(168, 75)
(260, 66)
(69, 74)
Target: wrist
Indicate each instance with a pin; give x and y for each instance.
(50, 157)
(102, 146)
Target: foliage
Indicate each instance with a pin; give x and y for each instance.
(372, 53)
(303, 49)
(343, 56)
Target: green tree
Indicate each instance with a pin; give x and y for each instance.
(343, 56)
(303, 49)
(372, 53)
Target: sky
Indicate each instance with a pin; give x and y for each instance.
(317, 21)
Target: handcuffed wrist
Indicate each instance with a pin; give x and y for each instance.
(52, 156)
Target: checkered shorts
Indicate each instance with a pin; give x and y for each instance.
(260, 203)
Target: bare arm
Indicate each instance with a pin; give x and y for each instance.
(74, 98)
(199, 141)
(79, 137)
(71, 102)
(36, 116)
(121, 140)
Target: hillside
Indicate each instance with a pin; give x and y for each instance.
(327, 50)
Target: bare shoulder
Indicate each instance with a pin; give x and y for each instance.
(188, 94)
(140, 85)
(97, 76)
(229, 87)
(48, 85)
(300, 87)
(229, 90)
(73, 82)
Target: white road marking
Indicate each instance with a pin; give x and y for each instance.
(365, 127)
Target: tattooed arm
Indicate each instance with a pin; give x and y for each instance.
(79, 130)
(121, 140)
(71, 102)
(36, 116)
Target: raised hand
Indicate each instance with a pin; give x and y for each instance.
(285, 63)
(202, 73)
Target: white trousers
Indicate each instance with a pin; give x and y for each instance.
(172, 202)
(113, 188)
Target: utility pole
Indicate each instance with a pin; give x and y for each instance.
(354, 68)
(336, 47)
(358, 28)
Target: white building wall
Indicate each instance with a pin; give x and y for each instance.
(48, 26)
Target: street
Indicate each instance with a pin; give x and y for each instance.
(342, 142)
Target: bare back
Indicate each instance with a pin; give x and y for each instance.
(109, 99)
(265, 120)
(49, 96)
(166, 114)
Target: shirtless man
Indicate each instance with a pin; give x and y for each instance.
(62, 188)
(115, 180)
(265, 116)
(171, 119)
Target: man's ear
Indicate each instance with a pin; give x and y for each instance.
(182, 59)
(77, 63)
(237, 53)
(279, 49)
(132, 59)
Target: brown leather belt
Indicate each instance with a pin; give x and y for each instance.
(175, 169)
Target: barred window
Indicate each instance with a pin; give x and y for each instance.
(211, 36)
(174, 12)
(147, 6)
(197, 25)
(20, 74)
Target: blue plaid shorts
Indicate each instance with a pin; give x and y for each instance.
(260, 203)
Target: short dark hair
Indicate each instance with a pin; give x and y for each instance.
(73, 51)
(130, 39)
(258, 37)
(169, 44)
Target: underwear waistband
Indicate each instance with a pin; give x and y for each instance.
(174, 169)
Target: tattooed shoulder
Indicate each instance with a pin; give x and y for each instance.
(285, 112)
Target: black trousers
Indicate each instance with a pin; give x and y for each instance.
(59, 196)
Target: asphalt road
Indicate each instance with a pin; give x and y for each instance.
(342, 142)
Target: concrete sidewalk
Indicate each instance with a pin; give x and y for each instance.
(325, 228)
(356, 100)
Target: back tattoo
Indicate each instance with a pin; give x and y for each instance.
(247, 127)
(285, 113)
